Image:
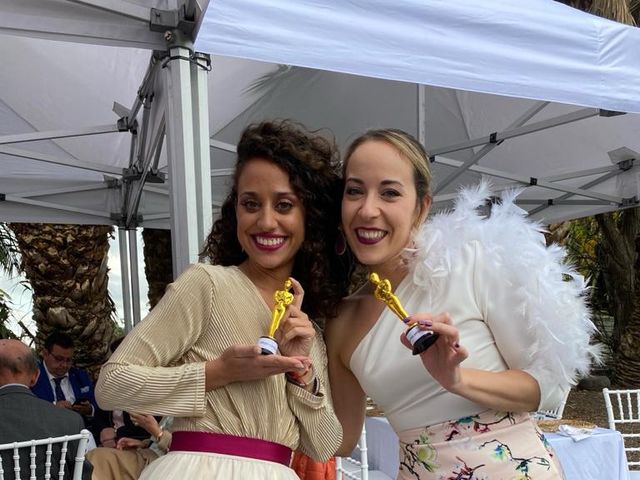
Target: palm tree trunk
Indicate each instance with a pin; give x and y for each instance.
(158, 267)
(66, 266)
(627, 367)
(621, 246)
(619, 258)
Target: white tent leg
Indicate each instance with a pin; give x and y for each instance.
(188, 156)
(135, 280)
(202, 157)
(126, 284)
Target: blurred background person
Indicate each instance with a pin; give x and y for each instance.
(23, 416)
(63, 384)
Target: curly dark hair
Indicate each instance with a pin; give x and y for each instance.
(312, 163)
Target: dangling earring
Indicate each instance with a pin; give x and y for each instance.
(341, 243)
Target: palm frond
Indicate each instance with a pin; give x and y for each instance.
(268, 81)
(9, 252)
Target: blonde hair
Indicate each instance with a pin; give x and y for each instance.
(407, 146)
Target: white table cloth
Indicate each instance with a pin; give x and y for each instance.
(599, 457)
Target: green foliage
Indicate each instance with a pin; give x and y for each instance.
(9, 263)
(118, 331)
(583, 242)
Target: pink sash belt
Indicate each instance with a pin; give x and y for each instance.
(230, 445)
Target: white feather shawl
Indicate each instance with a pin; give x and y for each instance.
(553, 293)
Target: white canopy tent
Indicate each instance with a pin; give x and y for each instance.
(490, 91)
(526, 97)
(50, 105)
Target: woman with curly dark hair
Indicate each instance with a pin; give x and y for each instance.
(238, 413)
(316, 266)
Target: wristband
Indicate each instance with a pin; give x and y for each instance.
(298, 379)
(315, 390)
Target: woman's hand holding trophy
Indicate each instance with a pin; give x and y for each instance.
(420, 339)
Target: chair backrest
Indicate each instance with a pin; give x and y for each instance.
(30, 448)
(623, 414)
(553, 414)
(354, 468)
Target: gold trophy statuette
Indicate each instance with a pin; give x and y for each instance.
(282, 298)
(420, 339)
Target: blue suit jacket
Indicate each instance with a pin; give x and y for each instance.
(80, 382)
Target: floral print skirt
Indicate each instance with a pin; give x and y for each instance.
(488, 446)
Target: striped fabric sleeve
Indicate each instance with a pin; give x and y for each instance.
(140, 375)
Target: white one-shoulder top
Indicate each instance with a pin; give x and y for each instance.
(515, 302)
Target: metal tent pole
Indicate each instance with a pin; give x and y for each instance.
(188, 153)
(126, 284)
(135, 280)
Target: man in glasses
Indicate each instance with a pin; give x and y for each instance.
(61, 383)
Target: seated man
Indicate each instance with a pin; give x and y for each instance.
(25, 417)
(130, 456)
(60, 383)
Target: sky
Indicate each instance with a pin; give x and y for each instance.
(21, 297)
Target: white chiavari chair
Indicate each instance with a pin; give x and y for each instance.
(44, 452)
(623, 414)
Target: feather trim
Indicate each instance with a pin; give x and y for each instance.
(552, 291)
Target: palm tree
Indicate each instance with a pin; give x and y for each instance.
(621, 248)
(66, 266)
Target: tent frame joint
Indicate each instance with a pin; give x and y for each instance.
(153, 175)
(625, 165)
(169, 20)
(125, 124)
(493, 138)
(113, 183)
(200, 60)
(120, 220)
(130, 174)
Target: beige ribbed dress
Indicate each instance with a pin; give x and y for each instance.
(159, 369)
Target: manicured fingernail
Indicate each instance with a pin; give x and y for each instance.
(426, 323)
